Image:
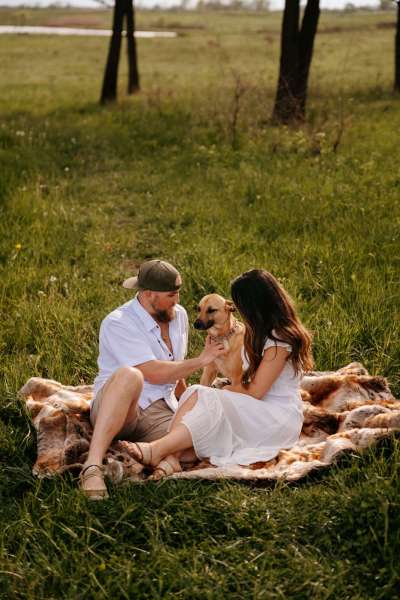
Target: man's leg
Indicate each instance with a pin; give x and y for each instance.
(117, 409)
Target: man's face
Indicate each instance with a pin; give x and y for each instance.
(163, 303)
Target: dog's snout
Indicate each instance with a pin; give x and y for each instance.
(199, 324)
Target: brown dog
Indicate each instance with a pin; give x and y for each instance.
(215, 316)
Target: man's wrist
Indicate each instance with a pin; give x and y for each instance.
(202, 362)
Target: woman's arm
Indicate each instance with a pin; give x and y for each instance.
(269, 369)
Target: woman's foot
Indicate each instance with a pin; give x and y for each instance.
(91, 482)
(169, 465)
(143, 453)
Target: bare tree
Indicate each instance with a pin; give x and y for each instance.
(297, 44)
(122, 9)
(397, 51)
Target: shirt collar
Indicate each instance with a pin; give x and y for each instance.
(143, 315)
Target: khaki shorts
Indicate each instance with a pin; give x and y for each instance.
(151, 423)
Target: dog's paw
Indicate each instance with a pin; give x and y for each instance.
(220, 382)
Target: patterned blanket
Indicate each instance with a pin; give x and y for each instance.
(344, 411)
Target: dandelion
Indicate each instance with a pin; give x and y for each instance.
(18, 247)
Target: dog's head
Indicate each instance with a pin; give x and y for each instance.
(213, 311)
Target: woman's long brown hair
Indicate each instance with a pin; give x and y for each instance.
(268, 312)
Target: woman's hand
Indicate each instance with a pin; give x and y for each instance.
(212, 350)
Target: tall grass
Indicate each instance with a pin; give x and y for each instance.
(88, 193)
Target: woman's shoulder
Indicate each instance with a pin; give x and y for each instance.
(273, 343)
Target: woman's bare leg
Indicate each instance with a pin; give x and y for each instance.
(178, 438)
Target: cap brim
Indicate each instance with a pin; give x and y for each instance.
(131, 283)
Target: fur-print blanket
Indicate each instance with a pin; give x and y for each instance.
(344, 411)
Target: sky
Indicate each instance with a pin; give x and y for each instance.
(274, 4)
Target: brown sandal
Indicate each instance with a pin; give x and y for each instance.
(164, 468)
(145, 454)
(94, 494)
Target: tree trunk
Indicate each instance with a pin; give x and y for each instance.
(296, 55)
(133, 77)
(397, 51)
(284, 101)
(306, 45)
(122, 8)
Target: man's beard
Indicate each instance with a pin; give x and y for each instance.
(164, 316)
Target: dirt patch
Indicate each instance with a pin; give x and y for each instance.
(177, 26)
(77, 21)
(351, 28)
(268, 32)
(386, 25)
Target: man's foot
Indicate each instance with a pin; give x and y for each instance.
(91, 482)
(169, 465)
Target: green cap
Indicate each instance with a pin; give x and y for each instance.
(155, 275)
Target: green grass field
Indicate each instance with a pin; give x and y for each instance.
(87, 193)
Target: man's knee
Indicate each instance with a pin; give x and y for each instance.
(129, 378)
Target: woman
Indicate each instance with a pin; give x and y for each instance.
(254, 420)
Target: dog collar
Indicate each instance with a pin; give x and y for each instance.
(222, 338)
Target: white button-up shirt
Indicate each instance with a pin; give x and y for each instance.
(129, 336)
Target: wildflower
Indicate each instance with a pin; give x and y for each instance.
(18, 247)
(52, 278)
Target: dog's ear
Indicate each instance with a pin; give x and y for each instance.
(230, 306)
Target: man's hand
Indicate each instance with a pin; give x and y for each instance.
(211, 351)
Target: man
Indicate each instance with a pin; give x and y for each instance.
(142, 347)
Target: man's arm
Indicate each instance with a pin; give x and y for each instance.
(165, 371)
(159, 372)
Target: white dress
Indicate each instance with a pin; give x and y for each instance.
(233, 428)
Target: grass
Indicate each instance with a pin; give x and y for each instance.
(87, 193)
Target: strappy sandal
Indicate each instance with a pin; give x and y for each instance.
(145, 454)
(93, 494)
(164, 469)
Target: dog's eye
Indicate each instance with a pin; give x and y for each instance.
(211, 310)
